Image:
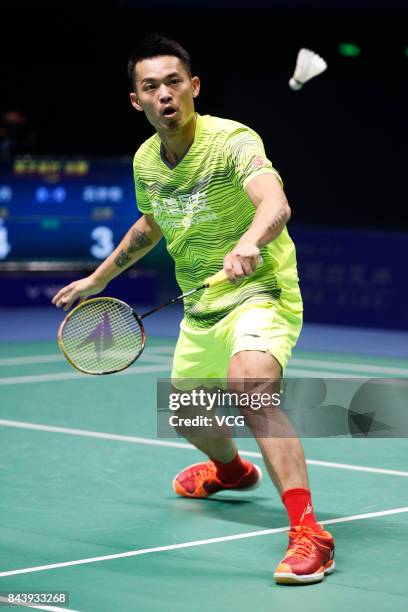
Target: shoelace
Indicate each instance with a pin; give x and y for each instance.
(205, 473)
(211, 472)
(303, 546)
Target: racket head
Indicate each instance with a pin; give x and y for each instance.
(101, 335)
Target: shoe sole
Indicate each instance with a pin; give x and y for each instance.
(251, 488)
(289, 578)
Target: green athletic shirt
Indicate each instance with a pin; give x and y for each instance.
(203, 209)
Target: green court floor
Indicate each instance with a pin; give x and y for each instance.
(86, 504)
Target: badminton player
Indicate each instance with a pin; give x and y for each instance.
(206, 185)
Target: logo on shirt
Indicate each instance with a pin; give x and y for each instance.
(182, 211)
(258, 162)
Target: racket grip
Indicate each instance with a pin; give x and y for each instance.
(215, 279)
(221, 277)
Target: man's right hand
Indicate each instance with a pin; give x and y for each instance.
(79, 289)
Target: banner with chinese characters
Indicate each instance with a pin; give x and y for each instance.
(353, 277)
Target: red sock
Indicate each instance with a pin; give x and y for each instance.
(231, 471)
(298, 504)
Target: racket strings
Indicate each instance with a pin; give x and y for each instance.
(102, 336)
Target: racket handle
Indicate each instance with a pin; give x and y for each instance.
(221, 277)
(215, 279)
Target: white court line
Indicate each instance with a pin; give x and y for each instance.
(155, 442)
(164, 365)
(294, 362)
(299, 373)
(349, 367)
(238, 536)
(30, 359)
(23, 605)
(338, 466)
(57, 357)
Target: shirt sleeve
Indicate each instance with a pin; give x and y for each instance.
(142, 199)
(245, 157)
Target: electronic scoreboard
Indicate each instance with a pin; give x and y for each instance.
(64, 209)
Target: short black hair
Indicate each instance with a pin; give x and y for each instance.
(154, 45)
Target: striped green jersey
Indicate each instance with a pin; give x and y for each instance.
(203, 209)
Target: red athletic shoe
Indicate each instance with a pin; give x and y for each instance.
(200, 480)
(309, 557)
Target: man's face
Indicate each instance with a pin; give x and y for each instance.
(165, 92)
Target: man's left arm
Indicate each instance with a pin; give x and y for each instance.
(272, 214)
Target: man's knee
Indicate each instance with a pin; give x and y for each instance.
(254, 364)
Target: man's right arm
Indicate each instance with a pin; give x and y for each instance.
(138, 241)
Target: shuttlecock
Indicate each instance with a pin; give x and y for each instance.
(308, 65)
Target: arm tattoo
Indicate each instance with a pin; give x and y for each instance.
(138, 241)
(278, 221)
(122, 259)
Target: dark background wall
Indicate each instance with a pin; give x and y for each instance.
(340, 143)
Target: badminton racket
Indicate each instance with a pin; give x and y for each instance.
(105, 335)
